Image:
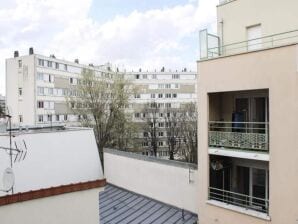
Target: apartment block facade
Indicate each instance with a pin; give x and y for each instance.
(37, 88)
(168, 91)
(247, 93)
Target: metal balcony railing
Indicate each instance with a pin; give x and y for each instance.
(265, 42)
(241, 200)
(239, 135)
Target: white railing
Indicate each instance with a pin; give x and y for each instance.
(265, 42)
(239, 135)
(241, 200)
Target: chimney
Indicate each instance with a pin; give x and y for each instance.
(16, 54)
(31, 51)
(52, 56)
(91, 65)
(140, 70)
(76, 61)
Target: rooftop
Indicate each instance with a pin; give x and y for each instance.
(117, 205)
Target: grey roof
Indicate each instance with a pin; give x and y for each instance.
(117, 205)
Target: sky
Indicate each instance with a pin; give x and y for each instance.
(130, 34)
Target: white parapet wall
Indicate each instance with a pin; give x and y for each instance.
(75, 208)
(171, 182)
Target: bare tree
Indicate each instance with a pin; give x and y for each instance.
(188, 124)
(100, 103)
(150, 127)
(173, 131)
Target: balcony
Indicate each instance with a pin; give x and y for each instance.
(239, 135)
(210, 46)
(241, 200)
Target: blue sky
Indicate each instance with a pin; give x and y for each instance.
(131, 34)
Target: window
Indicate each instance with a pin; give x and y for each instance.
(40, 118)
(160, 95)
(154, 76)
(175, 76)
(71, 80)
(160, 134)
(145, 134)
(152, 95)
(65, 117)
(145, 144)
(20, 118)
(168, 86)
(176, 86)
(168, 105)
(72, 105)
(254, 33)
(50, 64)
(49, 117)
(174, 95)
(40, 76)
(168, 95)
(161, 115)
(137, 96)
(160, 143)
(137, 115)
(161, 124)
(137, 76)
(56, 65)
(40, 104)
(65, 67)
(144, 76)
(40, 90)
(161, 86)
(40, 62)
(51, 78)
(160, 105)
(57, 117)
(20, 63)
(50, 91)
(20, 91)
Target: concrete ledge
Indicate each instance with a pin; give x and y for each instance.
(238, 209)
(151, 159)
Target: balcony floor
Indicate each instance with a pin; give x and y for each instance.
(256, 155)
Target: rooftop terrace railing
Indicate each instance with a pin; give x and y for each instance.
(265, 42)
(239, 135)
(241, 200)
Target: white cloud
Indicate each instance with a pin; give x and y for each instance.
(149, 39)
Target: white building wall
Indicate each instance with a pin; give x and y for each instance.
(54, 158)
(166, 182)
(75, 208)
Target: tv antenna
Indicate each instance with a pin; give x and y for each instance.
(8, 180)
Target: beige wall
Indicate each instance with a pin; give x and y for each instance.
(276, 70)
(75, 208)
(163, 180)
(274, 17)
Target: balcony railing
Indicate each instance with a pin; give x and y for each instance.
(241, 200)
(265, 42)
(239, 135)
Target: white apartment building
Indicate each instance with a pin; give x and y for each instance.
(168, 90)
(37, 86)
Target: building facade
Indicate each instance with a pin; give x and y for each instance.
(2, 102)
(247, 93)
(37, 88)
(166, 91)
